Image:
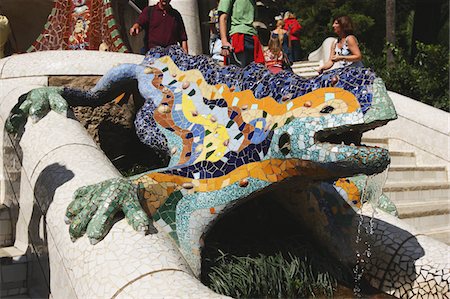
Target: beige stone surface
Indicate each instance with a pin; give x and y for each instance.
(64, 63)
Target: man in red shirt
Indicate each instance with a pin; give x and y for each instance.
(163, 26)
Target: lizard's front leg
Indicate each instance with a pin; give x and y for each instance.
(38, 102)
(93, 209)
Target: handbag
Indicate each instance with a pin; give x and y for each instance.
(287, 63)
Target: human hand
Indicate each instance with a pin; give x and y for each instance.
(38, 102)
(335, 58)
(135, 29)
(93, 209)
(226, 48)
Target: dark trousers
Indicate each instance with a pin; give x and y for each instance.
(295, 53)
(247, 56)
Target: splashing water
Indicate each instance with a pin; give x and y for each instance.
(371, 193)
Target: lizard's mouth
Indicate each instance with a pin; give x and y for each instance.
(345, 153)
(347, 137)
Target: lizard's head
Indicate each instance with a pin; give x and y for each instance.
(324, 127)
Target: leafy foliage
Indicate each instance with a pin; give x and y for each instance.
(420, 70)
(269, 277)
(426, 79)
(316, 18)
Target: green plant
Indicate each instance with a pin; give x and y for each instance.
(274, 276)
(425, 80)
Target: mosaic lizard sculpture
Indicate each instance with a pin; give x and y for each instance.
(231, 133)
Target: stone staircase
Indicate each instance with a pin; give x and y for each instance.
(306, 69)
(420, 193)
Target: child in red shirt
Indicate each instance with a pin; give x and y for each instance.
(274, 56)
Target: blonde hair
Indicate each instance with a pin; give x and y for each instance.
(280, 23)
(288, 15)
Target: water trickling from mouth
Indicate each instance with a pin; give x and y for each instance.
(371, 194)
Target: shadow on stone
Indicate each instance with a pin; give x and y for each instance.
(49, 180)
(317, 223)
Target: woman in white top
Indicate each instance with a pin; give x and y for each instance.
(344, 52)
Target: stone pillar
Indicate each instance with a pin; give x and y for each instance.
(189, 11)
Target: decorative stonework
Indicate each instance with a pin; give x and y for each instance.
(80, 25)
(232, 133)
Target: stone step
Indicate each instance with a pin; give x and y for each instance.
(423, 209)
(431, 218)
(428, 223)
(307, 74)
(406, 192)
(417, 173)
(306, 69)
(298, 64)
(440, 234)
(402, 158)
(13, 273)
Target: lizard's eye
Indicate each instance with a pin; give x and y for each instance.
(284, 143)
(327, 109)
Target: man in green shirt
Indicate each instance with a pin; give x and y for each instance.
(244, 40)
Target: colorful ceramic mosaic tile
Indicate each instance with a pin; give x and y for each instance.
(233, 134)
(399, 262)
(80, 25)
(230, 132)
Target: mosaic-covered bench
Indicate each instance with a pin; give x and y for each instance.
(231, 134)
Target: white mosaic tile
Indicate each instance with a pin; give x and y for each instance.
(2, 64)
(6, 85)
(64, 63)
(40, 140)
(167, 284)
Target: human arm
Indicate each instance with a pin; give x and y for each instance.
(352, 44)
(182, 35)
(226, 46)
(141, 22)
(330, 61)
(184, 45)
